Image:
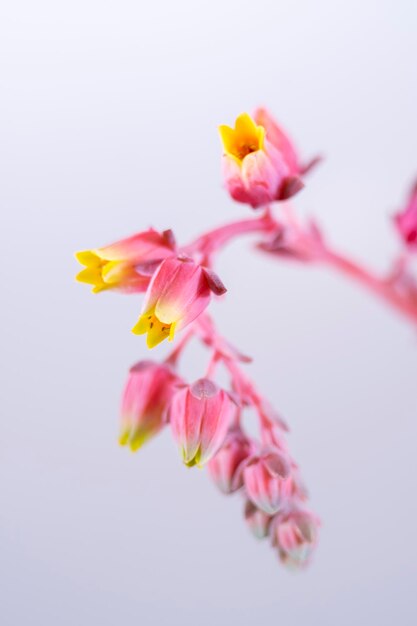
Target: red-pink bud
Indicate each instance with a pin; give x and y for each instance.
(268, 482)
(226, 467)
(295, 536)
(179, 292)
(146, 396)
(406, 221)
(258, 521)
(200, 416)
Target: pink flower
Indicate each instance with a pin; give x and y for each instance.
(258, 521)
(260, 164)
(406, 221)
(200, 416)
(178, 293)
(126, 265)
(295, 536)
(226, 467)
(268, 482)
(147, 394)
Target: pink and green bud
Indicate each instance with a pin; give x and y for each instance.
(268, 482)
(146, 397)
(295, 537)
(257, 521)
(178, 293)
(406, 221)
(260, 164)
(126, 265)
(200, 416)
(226, 467)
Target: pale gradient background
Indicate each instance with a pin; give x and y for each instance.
(108, 125)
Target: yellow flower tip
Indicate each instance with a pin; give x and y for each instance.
(155, 330)
(135, 444)
(89, 258)
(124, 437)
(92, 274)
(246, 137)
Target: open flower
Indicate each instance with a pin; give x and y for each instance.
(268, 482)
(295, 536)
(126, 265)
(406, 221)
(178, 293)
(260, 164)
(147, 394)
(200, 416)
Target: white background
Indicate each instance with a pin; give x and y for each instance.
(108, 125)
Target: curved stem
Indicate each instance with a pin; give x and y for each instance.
(218, 237)
(378, 286)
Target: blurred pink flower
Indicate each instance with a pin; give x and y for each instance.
(200, 416)
(406, 221)
(226, 467)
(268, 482)
(260, 164)
(258, 521)
(295, 536)
(148, 391)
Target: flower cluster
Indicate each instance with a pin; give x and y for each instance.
(260, 166)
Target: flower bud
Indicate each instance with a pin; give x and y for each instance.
(226, 467)
(295, 536)
(126, 265)
(260, 164)
(406, 221)
(146, 396)
(179, 292)
(257, 521)
(200, 416)
(268, 482)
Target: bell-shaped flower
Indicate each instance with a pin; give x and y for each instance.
(406, 221)
(295, 536)
(268, 482)
(226, 467)
(260, 164)
(200, 416)
(257, 521)
(146, 397)
(178, 293)
(126, 265)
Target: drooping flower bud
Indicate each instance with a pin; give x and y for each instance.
(128, 264)
(179, 292)
(200, 416)
(295, 536)
(406, 221)
(260, 164)
(268, 482)
(258, 521)
(226, 467)
(147, 394)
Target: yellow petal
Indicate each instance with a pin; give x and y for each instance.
(142, 325)
(246, 137)
(156, 334)
(91, 276)
(88, 258)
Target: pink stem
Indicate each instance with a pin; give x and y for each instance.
(378, 286)
(218, 237)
